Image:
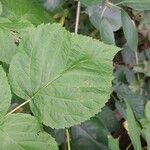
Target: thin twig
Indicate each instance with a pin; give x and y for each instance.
(77, 17)
(68, 139)
(18, 107)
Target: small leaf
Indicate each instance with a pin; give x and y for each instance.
(134, 130)
(113, 143)
(129, 30)
(63, 74)
(5, 93)
(110, 13)
(23, 132)
(106, 32)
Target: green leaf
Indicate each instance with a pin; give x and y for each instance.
(23, 132)
(137, 4)
(134, 130)
(90, 3)
(129, 30)
(113, 143)
(1, 9)
(25, 9)
(63, 73)
(91, 134)
(5, 93)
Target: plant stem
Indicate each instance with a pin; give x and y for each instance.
(68, 139)
(77, 17)
(18, 107)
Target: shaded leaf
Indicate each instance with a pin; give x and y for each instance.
(63, 74)
(23, 132)
(129, 30)
(107, 116)
(89, 135)
(135, 100)
(106, 32)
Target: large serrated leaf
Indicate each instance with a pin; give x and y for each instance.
(5, 93)
(63, 74)
(23, 132)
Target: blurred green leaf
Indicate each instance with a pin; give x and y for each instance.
(25, 9)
